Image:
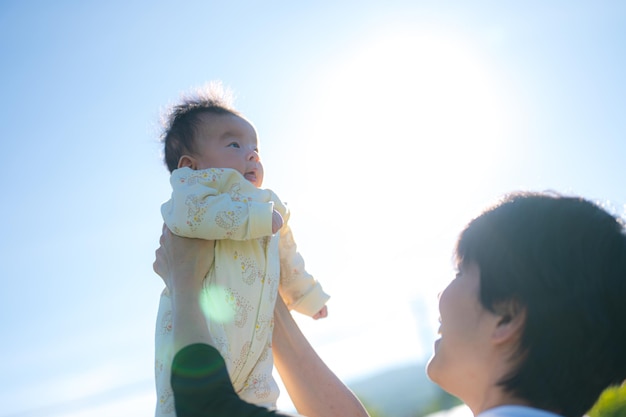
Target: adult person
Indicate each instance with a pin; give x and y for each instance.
(533, 325)
(536, 317)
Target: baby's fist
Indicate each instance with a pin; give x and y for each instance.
(323, 313)
(277, 221)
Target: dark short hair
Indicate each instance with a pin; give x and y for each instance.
(563, 260)
(181, 120)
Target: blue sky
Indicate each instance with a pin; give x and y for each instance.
(385, 125)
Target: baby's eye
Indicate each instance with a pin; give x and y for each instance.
(233, 145)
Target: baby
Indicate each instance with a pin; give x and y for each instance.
(212, 153)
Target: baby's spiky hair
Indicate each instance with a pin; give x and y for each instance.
(181, 120)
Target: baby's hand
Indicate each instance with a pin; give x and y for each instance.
(277, 221)
(321, 314)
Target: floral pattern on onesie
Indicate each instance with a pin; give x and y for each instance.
(244, 280)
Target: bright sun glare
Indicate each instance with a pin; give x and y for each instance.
(406, 118)
(402, 124)
(409, 98)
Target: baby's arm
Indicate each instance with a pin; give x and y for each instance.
(215, 204)
(299, 290)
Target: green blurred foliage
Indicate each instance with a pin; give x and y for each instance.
(612, 403)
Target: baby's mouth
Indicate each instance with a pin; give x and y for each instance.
(250, 176)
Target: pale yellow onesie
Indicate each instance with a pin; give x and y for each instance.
(251, 266)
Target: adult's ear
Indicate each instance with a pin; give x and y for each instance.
(512, 318)
(187, 161)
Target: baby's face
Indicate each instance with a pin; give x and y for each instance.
(229, 141)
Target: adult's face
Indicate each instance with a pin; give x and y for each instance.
(463, 355)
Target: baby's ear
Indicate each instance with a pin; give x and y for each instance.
(187, 161)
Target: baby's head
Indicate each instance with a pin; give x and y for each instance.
(205, 131)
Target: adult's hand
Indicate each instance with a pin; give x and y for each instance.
(183, 263)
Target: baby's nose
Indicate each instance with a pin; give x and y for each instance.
(253, 156)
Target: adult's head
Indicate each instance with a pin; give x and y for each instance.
(537, 314)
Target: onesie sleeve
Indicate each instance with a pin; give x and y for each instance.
(300, 291)
(216, 204)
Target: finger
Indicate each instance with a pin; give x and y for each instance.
(156, 263)
(163, 229)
